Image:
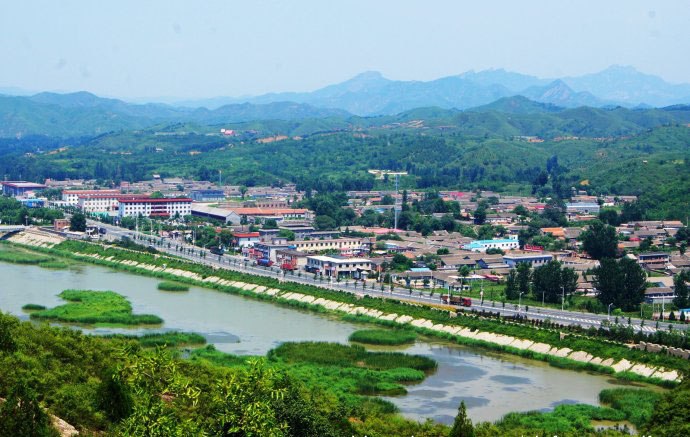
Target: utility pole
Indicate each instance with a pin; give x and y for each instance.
(395, 206)
(220, 181)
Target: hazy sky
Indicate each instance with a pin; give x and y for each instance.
(201, 48)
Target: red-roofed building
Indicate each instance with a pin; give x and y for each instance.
(105, 202)
(246, 239)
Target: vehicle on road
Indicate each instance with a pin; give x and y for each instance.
(217, 250)
(456, 300)
(265, 262)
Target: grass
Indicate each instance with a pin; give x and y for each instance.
(335, 354)
(563, 419)
(18, 257)
(383, 337)
(54, 265)
(164, 339)
(636, 404)
(172, 286)
(89, 306)
(33, 307)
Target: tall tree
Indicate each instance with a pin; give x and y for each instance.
(511, 285)
(78, 222)
(462, 426)
(621, 283)
(600, 240)
(524, 277)
(551, 281)
(682, 292)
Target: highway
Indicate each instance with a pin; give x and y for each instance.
(241, 264)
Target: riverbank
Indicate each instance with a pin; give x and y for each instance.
(534, 342)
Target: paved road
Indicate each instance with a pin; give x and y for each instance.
(241, 264)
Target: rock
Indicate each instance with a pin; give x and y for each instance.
(641, 369)
(562, 353)
(622, 365)
(580, 356)
(666, 375)
(521, 344)
(541, 348)
(607, 362)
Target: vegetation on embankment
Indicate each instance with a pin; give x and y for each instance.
(172, 286)
(164, 339)
(89, 306)
(12, 255)
(593, 341)
(383, 336)
(111, 386)
(33, 307)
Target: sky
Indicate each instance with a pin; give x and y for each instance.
(158, 50)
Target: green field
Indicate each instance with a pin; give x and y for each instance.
(172, 286)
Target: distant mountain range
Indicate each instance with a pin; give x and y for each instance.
(370, 93)
(83, 113)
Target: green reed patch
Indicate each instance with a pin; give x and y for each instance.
(164, 339)
(33, 307)
(172, 286)
(89, 306)
(383, 337)
(335, 354)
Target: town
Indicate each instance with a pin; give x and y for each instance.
(488, 246)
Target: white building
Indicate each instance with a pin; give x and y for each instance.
(336, 266)
(104, 202)
(72, 196)
(163, 207)
(510, 243)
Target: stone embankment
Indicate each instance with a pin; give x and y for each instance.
(622, 365)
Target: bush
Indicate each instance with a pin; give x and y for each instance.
(172, 286)
(33, 307)
(88, 306)
(383, 337)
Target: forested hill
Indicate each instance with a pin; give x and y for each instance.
(653, 163)
(79, 114)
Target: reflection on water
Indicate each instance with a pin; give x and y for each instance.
(491, 384)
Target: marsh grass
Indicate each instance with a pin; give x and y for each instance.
(90, 307)
(172, 286)
(335, 354)
(164, 339)
(383, 336)
(33, 307)
(636, 404)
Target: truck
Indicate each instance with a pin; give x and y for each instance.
(265, 262)
(217, 250)
(456, 300)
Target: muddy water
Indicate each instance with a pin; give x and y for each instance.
(491, 384)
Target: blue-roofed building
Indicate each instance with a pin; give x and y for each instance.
(511, 243)
(207, 195)
(534, 259)
(582, 208)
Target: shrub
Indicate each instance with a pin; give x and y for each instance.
(172, 286)
(383, 337)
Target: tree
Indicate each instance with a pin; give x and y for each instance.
(324, 222)
(243, 191)
(621, 283)
(480, 215)
(551, 281)
(287, 233)
(462, 426)
(156, 195)
(682, 291)
(524, 276)
(463, 272)
(22, 415)
(670, 415)
(600, 240)
(511, 285)
(78, 222)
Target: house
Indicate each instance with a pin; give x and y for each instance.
(340, 244)
(221, 214)
(265, 250)
(534, 259)
(149, 207)
(207, 195)
(289, 259)
(582, 208)
(71, 197)
(263, 214)
(246, 239)
(339, 266)
(511, 243)
(658, 294)
(20, 188)
(661, 258)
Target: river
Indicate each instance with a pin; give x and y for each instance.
(491, 384)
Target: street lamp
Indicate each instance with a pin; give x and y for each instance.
(608, 315)
(520, 302)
